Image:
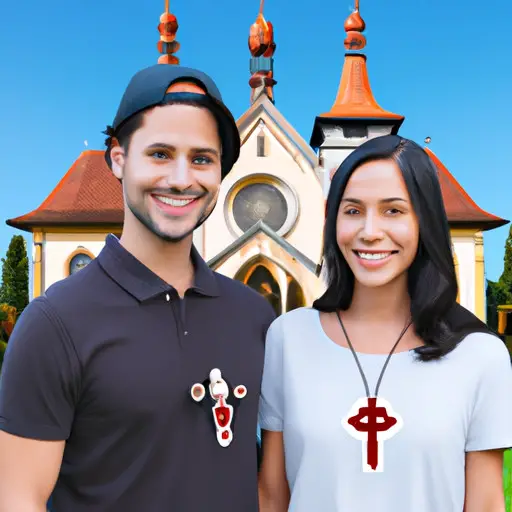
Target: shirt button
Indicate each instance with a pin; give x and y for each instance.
(185, 333)
(167, 298)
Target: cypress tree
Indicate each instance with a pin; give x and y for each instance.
(14, 286)
(506, 277)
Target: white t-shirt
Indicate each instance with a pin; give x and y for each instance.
(449, 407)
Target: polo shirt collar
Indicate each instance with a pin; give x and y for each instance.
(141, 282)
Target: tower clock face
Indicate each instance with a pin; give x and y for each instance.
(260, 201)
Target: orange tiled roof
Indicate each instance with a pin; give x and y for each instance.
(90, 195)
(460, 208)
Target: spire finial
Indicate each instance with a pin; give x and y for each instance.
(262, 48)
(168, 45)
(354, 26)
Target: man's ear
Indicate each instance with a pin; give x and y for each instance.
(117, 157)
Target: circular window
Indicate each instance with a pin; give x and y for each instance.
(260, 201)
(78, 262)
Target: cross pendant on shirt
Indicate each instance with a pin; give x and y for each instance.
(372, 421)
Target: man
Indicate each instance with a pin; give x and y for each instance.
(133, 385)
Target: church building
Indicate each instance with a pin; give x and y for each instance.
(266, 230)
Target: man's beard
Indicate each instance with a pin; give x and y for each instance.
(147, 222)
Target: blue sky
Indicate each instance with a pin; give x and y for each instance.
(444, 65)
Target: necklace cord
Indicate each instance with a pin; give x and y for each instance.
(363, 376)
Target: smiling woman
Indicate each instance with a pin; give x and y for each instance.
(377, 229)
(386, 351)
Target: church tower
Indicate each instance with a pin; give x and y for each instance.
(355, 115)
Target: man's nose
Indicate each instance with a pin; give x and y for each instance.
(180, 174)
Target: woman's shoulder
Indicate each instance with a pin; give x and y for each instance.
(292, 325)
(478, 344)
(484, 348)
(295, 319)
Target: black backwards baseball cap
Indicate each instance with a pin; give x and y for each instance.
(149, 88)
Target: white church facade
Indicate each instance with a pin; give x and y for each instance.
(267, 227)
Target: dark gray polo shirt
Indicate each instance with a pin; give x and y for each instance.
(106, 359)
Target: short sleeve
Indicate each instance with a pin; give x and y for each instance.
(490, 426)
(39, 378)
(272, 400)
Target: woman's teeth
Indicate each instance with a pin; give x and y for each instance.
(373, 255)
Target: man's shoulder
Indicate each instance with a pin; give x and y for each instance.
(50, 315)
(76, 289)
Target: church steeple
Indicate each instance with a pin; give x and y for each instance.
(262, 48)
(168, 46)
(355, 97)
(355, 115)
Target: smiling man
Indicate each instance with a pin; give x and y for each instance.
(134, 384)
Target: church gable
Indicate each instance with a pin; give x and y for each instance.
(261, 229)
(264, 113)
(288, 272)
(274, 181)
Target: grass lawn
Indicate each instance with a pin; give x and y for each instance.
(507, 477)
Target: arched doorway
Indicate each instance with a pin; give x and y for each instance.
(264, 283)
(295, 296)
(281, 290)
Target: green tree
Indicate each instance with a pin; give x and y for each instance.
(14, 286)
(506, 277)
(500, 293)
(497, 295)
(3, 344)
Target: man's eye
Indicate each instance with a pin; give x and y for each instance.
(202, 160)
(158, 155)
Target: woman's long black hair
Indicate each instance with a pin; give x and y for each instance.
(437, 318)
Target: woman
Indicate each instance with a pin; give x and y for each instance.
(386, 396)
